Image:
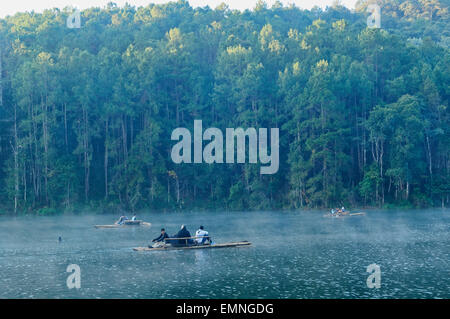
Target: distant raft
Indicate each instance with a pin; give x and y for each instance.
(337, 215)
(169, 247)
(125, 224)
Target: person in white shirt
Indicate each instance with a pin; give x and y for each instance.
(202, 236)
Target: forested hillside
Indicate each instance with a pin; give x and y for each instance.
(86, 114)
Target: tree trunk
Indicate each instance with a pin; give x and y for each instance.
(45, 138)
(106, 158)
(430, 168)
(86, 154)
(124, 141)
(168, 188)
(66, 139)
(16, 162)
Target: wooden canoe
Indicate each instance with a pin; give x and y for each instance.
(224, 245)
(126, 223)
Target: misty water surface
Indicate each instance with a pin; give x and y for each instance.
(294, 255)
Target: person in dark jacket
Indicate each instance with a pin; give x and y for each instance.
(182, 233)
(160, 240)
(161, 237)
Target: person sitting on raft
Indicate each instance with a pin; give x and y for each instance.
(182, 233)
(161, 237)
(159, 241)
(202, 236)
(133, 218)
(121, 220)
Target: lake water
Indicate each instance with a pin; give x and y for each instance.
(294, 255)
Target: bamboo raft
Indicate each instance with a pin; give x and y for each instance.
(125, 223)
(170, 247)
(344, 215)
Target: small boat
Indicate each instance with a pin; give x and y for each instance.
(125, 223)
(169, 247)
(337, 215)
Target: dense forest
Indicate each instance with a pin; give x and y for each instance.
(86, 114)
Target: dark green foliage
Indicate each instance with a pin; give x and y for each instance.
(86, 114)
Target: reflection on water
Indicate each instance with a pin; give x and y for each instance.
(294, 255)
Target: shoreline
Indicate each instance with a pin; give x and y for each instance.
(87, 211)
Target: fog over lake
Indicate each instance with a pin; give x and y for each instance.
(294, 254)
